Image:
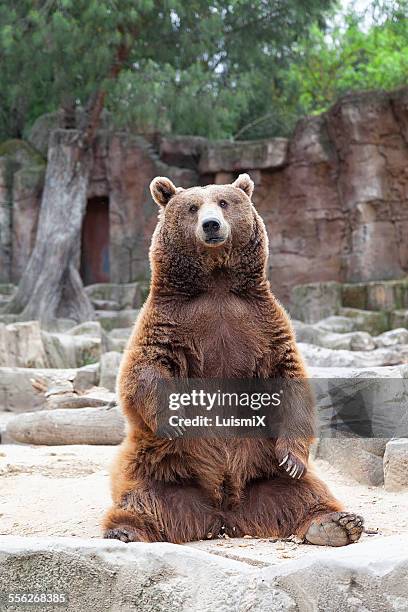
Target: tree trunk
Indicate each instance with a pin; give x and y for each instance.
(66, 426)
(51, 286)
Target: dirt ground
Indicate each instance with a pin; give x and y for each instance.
(64, 490)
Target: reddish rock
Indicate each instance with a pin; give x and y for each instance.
(334, 198)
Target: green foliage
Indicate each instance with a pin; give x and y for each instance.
(243, 68)
(349, 58)
(187, 65)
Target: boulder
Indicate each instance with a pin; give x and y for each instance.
(111, 575)
(184, 151)
(21, 345)
(370, 321)
(72, 350)
(396, 465)
(315, 301)
(110, 363)
(124, 295)
(392, 337)
(112, 319)
(385, 295)
(230, 156)
(362, 459)
(351, 341)
(359, 410)
(319, 356)
(399, 318)
(336, 324)
(17, 393)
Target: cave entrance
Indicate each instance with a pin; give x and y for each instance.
(95, 242)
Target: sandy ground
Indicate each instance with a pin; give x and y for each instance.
(64, 490)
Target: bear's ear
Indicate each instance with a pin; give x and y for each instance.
(245, 183)
(162, 189)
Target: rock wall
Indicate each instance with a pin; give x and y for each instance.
(334, 197)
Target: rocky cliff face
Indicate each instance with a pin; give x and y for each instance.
(338, 209)
(334, 197)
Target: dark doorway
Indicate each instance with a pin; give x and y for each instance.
(95, 242)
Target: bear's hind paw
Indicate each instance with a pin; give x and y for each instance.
(335, 529)
(124, 534)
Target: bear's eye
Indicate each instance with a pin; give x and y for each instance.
(223, 204)
(193, 208)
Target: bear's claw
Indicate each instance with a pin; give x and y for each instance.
(293, 466)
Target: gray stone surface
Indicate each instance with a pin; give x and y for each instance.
(320, 356)
(396, 465)
(18, 395)
(392, 337)
(111, 319)
(227, 156)
(362, 459)
(104, 575)
(25, 345)
(21, 345)
(110, 363)
(351, 341)
(125, 295)
(315, 301)
(370, 321)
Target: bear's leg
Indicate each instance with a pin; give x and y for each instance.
(164, 513)
(281, 507)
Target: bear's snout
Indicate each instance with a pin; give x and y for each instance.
(212, 228)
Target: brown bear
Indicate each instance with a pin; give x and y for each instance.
(211, 314)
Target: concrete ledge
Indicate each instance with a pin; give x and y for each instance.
(109, 575)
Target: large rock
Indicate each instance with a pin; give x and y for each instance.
(370, 321)
(359, 410)
(21, 345)
(184, 151)
(396, 465)
(71, 351)
(362, 459)
(392, 337)
(25, 345)
(315, 301)
(320, 357)
(99, 575)
(110, 363)
(125, 295)
(333, 198)
(27, 192)
(17, 393)
(5, 223)
(229, 156)
(112, 319)
(381, 295)
(399, 318)
(350, 341)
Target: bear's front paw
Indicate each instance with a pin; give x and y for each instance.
(170, 432)
(292, 465)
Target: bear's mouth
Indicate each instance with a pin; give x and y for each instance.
(215, 240)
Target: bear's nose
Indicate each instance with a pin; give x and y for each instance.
(211, 225)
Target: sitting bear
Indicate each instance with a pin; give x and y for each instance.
(211, 314)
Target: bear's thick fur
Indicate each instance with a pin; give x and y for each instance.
(211, 314)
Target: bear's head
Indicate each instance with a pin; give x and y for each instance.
(207, 230)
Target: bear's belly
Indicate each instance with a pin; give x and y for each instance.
(229, 354)
(230, 339)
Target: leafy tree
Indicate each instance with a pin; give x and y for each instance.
(189, 65)
(348, 57)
